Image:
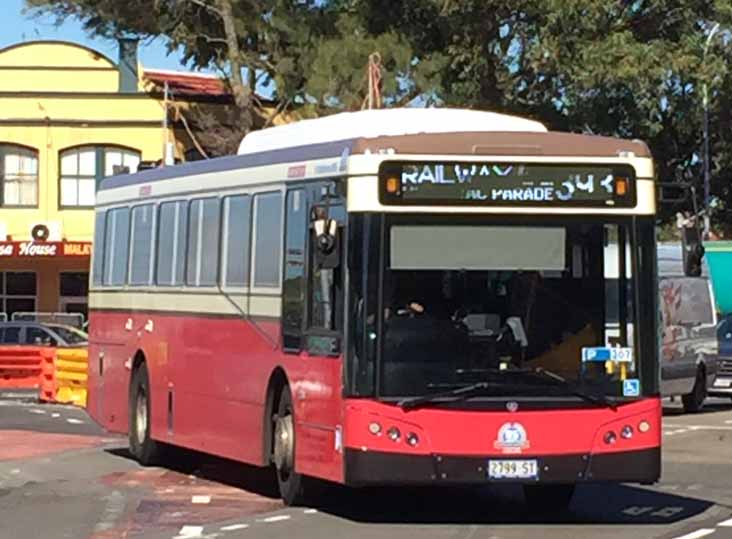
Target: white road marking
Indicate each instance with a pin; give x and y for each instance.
(697, 534)
(310, 511)
(190, 531)
(234, 527)
(636, 511)
(74, 421)
(725, 524)
(15, 471)
(200, 499)
(37, 411)
(276, 518)
(728, 422)
(55, 415)
(699, 427)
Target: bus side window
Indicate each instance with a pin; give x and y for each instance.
(293, 287)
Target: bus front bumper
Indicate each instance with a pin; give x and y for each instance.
(365, 468)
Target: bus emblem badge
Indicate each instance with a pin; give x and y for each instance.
(512, 406)
(512, 438)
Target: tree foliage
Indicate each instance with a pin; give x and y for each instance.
(629, 68)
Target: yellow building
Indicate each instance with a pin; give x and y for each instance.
(69, 116)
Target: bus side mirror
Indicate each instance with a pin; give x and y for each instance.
(327, 253)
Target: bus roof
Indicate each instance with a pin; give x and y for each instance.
(383, 123)
(510, 140)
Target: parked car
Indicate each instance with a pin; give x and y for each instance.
(722, 386)
(41, 334)
(689, 351)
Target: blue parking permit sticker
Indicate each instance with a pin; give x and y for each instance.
(615, 354)
(631, 387)
(596, 354)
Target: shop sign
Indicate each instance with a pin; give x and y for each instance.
(44, 249)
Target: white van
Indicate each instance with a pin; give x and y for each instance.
(688, 347)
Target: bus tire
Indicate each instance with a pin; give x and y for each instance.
(142, 446)
(291, 484)
(548, 498)
(694, 401)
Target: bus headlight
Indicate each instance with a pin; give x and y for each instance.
(375, 428)
(610, 437)
(627, 432)
(644, 426)
(394, 434)
(412, 439)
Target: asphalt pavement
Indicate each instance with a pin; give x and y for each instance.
(63, 477)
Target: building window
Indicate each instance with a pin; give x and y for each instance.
(84, 168)
(267, 239)
(17, 292)
(73, 292)
(18, 176)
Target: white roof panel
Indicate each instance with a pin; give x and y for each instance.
(382, 122)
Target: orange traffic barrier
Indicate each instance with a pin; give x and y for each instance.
(71, 375)
(47, 391)
(64, 376)
(20, 366)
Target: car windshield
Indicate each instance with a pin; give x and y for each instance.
(70, 335)
(462, 303)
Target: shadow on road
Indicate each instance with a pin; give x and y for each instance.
(260, 481)
(592, 504)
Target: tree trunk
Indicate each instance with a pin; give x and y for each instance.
(241, 91)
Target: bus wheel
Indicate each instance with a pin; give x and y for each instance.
(142, 447)
(291, 483)
(694, 401)
(548, 498)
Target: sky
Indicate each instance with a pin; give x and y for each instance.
(16, 27)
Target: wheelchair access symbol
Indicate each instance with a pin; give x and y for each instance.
(631, 387)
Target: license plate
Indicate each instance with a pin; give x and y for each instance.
(512, 469)
(725, 382)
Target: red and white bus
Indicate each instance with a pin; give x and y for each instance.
(387, 297)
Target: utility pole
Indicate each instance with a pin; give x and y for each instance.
(705, 102)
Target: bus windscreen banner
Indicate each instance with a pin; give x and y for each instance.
(511, 184)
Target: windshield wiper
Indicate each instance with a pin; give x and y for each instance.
(596, 398)
(467, 391)
(459, 393)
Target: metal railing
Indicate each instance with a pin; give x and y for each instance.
(70, 319)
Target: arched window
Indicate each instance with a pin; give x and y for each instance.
(83, 169)
(18, 176)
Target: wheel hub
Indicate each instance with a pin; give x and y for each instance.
(141, 417)
(283, 443)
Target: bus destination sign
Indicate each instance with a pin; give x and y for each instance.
(499, 183)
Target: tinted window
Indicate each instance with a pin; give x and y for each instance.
(11, 335)
(267, 239)
(237, 219)
(171, 243)
(203, 242)
(142, 239)
(38, 337)
(20, 283)
(74, 284)
(117, 241)
(294, 280)
(98, 253)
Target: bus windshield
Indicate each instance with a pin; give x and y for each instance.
(472, 302)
